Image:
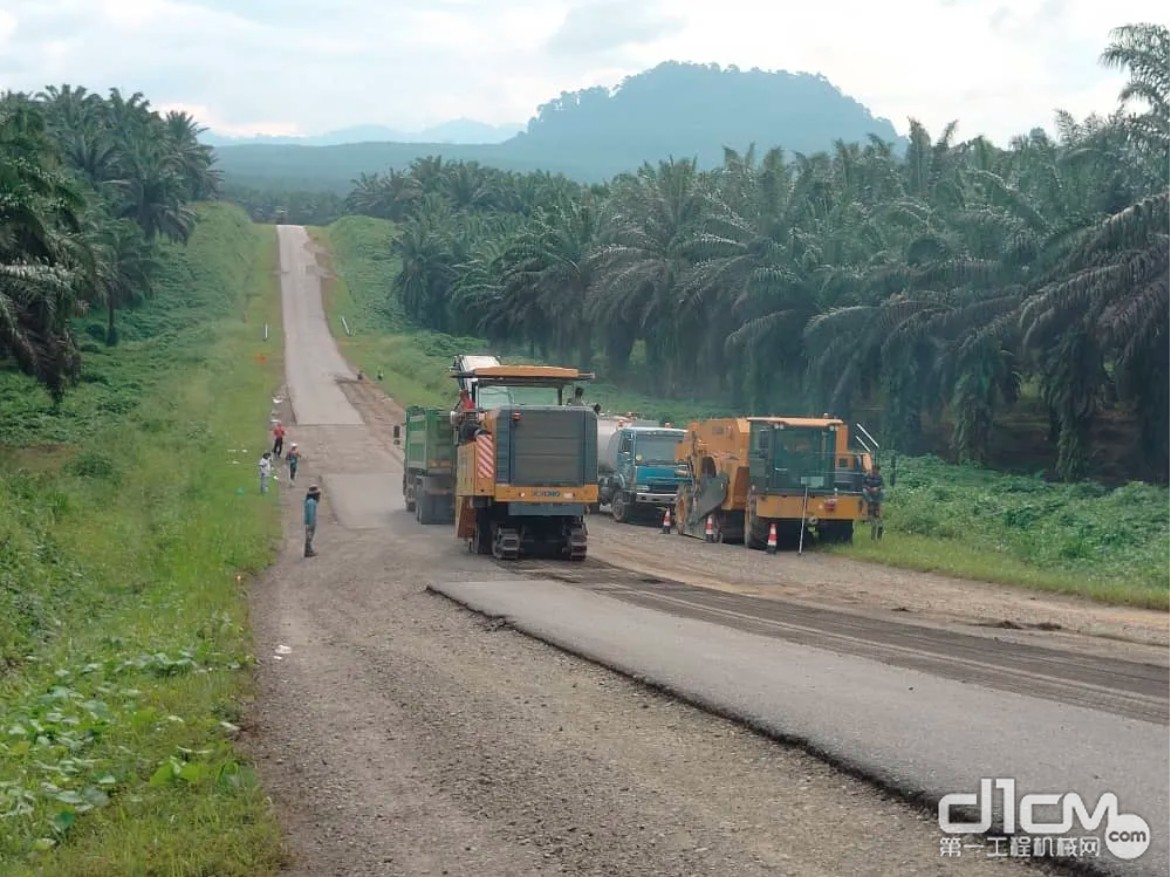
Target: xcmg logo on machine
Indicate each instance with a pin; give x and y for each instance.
(1070, 835)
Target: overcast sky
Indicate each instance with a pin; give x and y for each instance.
(301, 67)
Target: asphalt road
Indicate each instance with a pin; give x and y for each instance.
(917, 732)
(400, 734)
(1132, 688)
(311, 366)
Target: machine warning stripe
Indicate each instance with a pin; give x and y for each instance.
(484, 455)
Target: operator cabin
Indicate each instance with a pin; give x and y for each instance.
(465, 416)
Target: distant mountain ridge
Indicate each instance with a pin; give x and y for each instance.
(460, 131)
(676, 109)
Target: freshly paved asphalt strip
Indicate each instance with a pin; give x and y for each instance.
(1134, 689)
(920, 734)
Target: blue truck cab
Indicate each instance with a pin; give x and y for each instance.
(637, 469)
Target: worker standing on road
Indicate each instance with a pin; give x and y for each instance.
(294, 458)
(311, 500)
(873, 486)
(265, 471)
(277, 438)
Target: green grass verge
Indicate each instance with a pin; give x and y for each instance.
(1110, 546)
(123, 629)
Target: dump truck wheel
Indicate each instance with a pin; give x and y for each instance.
(406, 496)
(481, 540)
(755, 533)
(426, 508)
(620, 507)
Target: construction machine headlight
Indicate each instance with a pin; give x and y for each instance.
(642, 487)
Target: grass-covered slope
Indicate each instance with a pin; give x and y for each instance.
(964, 521)
(1109, 545)
(129, 515)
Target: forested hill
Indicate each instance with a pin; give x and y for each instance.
(680, 110)
(694, 111)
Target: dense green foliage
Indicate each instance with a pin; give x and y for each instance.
(1074, 538)
(271, 204)
(688, 110)
(941, 286)
(123, 645)
(88, 187)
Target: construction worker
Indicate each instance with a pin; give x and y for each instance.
(463, 417)
(873, 488)
(294, 458)
(578, 399)
(265, 470)
(277, 439)
(311, 500)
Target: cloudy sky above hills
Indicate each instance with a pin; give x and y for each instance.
(299, 67)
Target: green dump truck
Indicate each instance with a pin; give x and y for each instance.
(428, 476)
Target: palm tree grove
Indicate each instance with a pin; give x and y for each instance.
(88, 185)
(952, 280)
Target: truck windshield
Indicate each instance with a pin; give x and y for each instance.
(499, 395)
(803, 456)
(656, 449)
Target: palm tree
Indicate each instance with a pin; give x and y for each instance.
(152, 192)
(551, 262)
(123, 269)
(644, 265)
(193, 158)
(39, 261)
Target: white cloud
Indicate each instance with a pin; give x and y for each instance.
(7, 26)
(209, 118)
(282, 66)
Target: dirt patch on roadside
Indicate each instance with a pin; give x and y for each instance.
(846, 584)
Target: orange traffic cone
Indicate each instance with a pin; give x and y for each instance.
(666, 521)
(710, 531)
(772, 538)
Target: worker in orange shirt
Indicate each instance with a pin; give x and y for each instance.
(277, 438)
